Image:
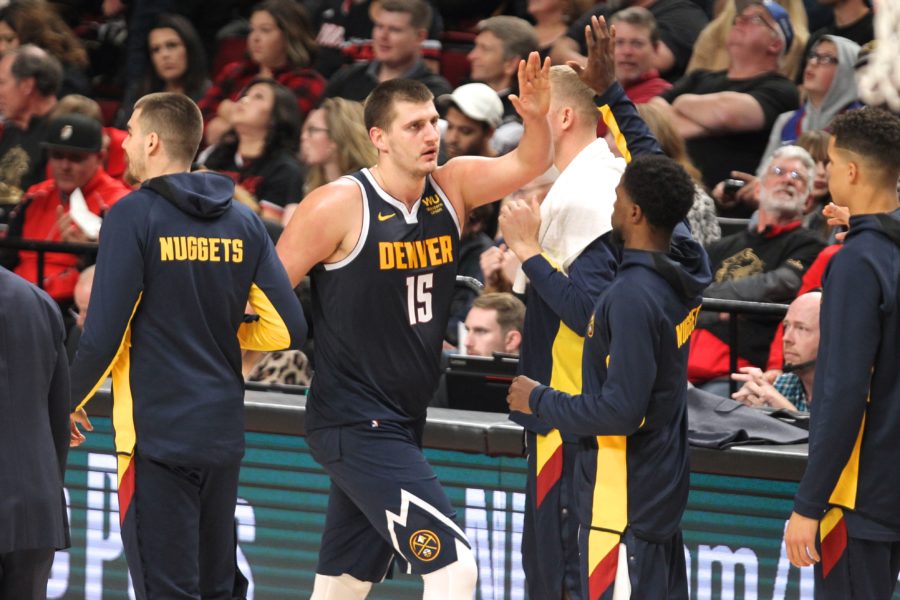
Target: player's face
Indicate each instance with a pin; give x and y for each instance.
(412, 139)
(621, 209)
(133, 145)
(464, 136)
(838, 163)
(483, 333)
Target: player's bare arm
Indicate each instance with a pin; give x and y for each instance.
(324, 228)
(474, 181)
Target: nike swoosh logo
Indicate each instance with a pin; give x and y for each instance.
(382, 217)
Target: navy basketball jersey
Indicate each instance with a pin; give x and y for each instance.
(380, 314)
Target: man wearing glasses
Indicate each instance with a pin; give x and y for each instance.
(763, 263)
(726, 116)
(830, 85)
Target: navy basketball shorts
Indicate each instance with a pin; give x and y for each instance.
(635, 568)
(385, 502)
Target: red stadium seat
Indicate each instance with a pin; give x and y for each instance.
(230, 49)
(456, 46)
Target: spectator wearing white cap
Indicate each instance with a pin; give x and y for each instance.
(472, 112)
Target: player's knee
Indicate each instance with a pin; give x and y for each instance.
(456, 581)
(343, 587)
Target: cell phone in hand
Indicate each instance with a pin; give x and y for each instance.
(731, 187)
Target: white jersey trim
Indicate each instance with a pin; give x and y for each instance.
(447, 204)
(363, 234)
(410, 215)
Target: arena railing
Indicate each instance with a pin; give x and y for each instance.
(43, 247)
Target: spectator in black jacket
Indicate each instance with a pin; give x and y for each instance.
(400, 28)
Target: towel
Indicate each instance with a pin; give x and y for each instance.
(578, 208)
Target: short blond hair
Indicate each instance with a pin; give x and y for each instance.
(567, 90)
(177, 121)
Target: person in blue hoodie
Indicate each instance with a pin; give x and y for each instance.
(631, 417)
(845, 518)
(178, 263)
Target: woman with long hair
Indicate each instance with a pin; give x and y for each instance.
(37, 22)
(280, 46)
(333, 142)
(259, 151)
(702, 215)
(175, 62)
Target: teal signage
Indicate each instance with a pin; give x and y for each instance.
(732, 528)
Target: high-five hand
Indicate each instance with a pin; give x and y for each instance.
(600, 71)
(533, 100)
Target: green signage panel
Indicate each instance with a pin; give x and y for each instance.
(732, 528)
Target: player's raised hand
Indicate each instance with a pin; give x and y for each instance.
(600, 71)
(533, 100)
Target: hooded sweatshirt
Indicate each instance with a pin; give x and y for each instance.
(177, 264)
(855, 421)
(631, 418)
(841, 96)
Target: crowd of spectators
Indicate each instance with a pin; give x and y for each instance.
(739, 92)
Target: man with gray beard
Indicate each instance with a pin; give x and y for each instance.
(763, 263)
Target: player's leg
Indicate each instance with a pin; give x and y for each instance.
(352, 555)
(160, 528)
(550, 527)
(383, 473)
(456, 581)
(863, 569)
(219, 576)
(24, 574)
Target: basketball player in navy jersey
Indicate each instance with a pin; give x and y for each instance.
(381, 247)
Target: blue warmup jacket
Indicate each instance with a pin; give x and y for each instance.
(177, 264)
(631, 418)
(855, 419)
(560, 305)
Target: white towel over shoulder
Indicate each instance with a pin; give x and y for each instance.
(578, 208)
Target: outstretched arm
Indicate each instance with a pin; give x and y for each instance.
(474, 181)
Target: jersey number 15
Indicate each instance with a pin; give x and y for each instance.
(418, 298)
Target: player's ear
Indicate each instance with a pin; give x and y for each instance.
(376, 134)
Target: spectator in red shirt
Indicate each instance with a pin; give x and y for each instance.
(53, 210)
(636, 44)
(280, 46)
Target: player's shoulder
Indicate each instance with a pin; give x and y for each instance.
(336, 195)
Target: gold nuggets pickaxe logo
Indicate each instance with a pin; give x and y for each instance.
(425, 545)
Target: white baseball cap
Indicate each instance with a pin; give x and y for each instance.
(475, 100)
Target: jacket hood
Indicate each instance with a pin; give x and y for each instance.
(843, 87)
(685, 267)
(886, 224)
(205, 194)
